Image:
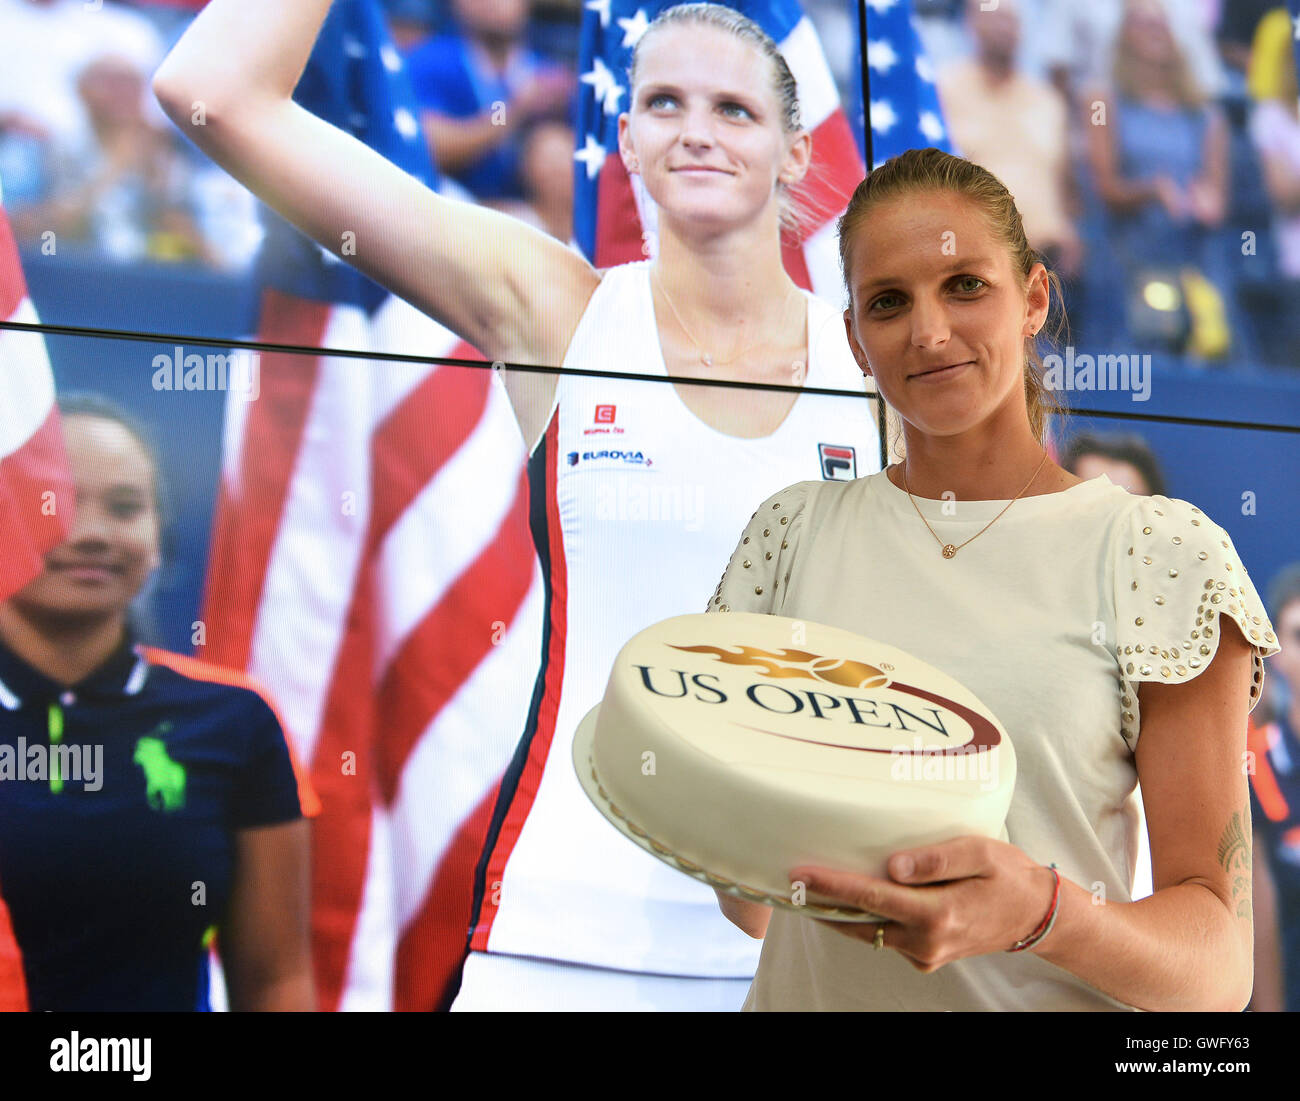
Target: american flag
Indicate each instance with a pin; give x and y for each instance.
(371, 564)
(36, 497)
(613, 212)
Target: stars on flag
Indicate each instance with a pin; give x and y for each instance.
(607, 90)
(592, 155)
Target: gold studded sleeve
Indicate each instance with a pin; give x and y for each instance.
(1177, 573)
(756, 577)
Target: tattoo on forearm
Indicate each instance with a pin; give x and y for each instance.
(1234, 856)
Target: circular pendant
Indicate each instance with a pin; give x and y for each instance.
(706, 359)
(949, 550)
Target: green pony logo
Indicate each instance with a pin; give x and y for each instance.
(164, 778)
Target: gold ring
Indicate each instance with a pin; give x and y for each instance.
(879, 942)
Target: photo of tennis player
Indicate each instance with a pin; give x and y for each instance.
(713, 131)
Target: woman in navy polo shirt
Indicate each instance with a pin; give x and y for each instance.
(145, 798)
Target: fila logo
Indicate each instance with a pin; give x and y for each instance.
(839, 464)
(604, 414)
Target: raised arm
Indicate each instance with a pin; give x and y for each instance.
(509, 289)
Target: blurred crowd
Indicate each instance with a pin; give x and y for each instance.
(1152, 145)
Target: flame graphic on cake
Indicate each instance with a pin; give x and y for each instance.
(780, 664)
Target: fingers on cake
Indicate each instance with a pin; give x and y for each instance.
(737, 747)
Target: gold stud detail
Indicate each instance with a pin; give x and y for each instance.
(1135, 585)
(784, 519)
(1130, 550)
(1195, 663)
(767, 532)
(1158, 512)
(1160, 600)
(1128, 716)
(1173, 572)
(1176, 540)
(1205, 650)
(1125, 700)
(1210, 583)
(1129, 667)
(1196, 523)
(1146, 560)
(1138, 648)
(784, 544)
(1270, 636)
(768, 556)
(1217, 598)
(1208, 633)
(1146, 531)
(746, 539)
(776, 506)
(1202, 555)
(1220, 585)
(1145, 670)
(1128, 649)
(1164, 670)
(1138, 621)
(745, 563)
(1181, 670)
(758, 590)
(1197, 511)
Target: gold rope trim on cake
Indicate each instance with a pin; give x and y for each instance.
(720, 882)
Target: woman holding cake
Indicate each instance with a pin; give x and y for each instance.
(654, 478)
(1117, 637)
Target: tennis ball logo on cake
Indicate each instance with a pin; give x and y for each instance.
(798, 663)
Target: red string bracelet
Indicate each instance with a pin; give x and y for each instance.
(1045, 926)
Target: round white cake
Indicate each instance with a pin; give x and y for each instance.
(737, 747)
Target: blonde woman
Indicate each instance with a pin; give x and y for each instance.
(637, 488)
(1116, 636)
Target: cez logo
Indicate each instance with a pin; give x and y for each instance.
(838, 462)
(604, 414)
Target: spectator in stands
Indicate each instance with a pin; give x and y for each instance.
(43, 45)
(1275, 130)
(1125, 458)
(1015, 126)
(479, 85)
(1235, 34)
(122, 186)
(546, 169)
(1275, 811)
(1158, 154)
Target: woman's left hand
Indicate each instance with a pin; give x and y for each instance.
(965, 897)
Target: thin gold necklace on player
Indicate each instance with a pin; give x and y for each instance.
(705, 357)
(948, 550)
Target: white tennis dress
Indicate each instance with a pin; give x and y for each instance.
(635, 506)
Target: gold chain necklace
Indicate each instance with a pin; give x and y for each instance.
(949, 551)
(705, 357)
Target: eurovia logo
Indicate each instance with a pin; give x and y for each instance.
(622, 458)
(869, 717)
(838, 462)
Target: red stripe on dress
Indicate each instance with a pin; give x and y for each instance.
(30, 529)
(13, 980)
(440, 654)
(431, 948)
(251, 508)
(540, 746)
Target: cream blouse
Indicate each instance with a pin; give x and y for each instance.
(1051, 617)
